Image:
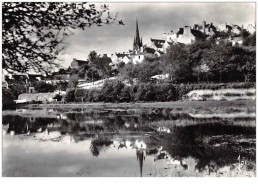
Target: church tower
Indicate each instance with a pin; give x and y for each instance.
(137, 40)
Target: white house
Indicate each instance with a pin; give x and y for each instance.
(187, 37)
(251, 28)
(237, 41)
(137, 58)
(118, 58)
(222, 27)
(156, 44)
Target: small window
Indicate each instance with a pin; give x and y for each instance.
(139, 57)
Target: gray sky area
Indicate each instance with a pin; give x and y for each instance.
(154, 20)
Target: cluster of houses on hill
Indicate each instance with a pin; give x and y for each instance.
(183, 36)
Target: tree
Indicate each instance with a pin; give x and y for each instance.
(92, 56)
(201, 71)
(34, 32)
(43, 87)
(177, 64)
(8, 98)
(73, 81)
(99, 64)
(248, 70)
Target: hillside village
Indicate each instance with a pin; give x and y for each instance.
(232, 34)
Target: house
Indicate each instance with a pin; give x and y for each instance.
(5, 84)
(186, 36)
(36, 76)
(137, 58)
(57, 78)
(19, 76)
(156, 44)
(61, 76)
(236, 41)
(236, 29)
(76, 64)
(118, 58)
(151, 53)
(208, 29)
(251, 28)
(222, 27)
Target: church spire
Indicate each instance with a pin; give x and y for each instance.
(137, 32)
(137, 41)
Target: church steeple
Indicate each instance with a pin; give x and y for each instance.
(137, 41)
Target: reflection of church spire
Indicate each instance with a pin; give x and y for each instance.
(141, 158)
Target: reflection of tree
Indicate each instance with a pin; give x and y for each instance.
(189, 141)
(98, 144)
(22, 125)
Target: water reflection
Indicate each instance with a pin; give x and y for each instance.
(148, 143)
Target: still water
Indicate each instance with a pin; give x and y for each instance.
(131, 143)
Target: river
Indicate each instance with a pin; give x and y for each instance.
(47, 142)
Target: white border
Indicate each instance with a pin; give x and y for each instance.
(207, 186)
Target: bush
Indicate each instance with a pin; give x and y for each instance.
(70, 95)
(17, 89)
(112, 91)
(42, 87)
(126, 95)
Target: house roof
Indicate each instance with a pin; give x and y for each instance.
(198, 34)
(229, 27)
(180, 31)
(122, 55)
(149, 50)
(80, 62)
(237, 27)
(158, 42)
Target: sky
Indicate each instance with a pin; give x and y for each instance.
(154, 20)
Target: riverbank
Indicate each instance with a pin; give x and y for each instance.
(176, 104)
